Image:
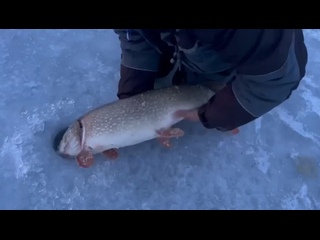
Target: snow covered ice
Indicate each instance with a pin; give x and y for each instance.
(50, 77)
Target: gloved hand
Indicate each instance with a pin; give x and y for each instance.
(193, 116)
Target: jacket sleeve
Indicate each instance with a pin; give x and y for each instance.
(250, 96)
(139, 63)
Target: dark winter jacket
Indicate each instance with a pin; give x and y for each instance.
(260, 67)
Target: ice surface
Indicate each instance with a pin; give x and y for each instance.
(50, 77)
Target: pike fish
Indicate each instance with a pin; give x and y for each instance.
(126, 122)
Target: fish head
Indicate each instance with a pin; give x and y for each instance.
(69, 145)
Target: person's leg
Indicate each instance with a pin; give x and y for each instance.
(168, 77)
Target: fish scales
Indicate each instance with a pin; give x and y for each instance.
(147, 110)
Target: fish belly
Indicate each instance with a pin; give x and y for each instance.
(131, 134)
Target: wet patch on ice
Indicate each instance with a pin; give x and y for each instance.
(306, 166)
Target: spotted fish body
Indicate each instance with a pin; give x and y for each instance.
(132, 120)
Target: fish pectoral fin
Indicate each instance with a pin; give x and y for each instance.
(170, 133)
(164, 142)
(85, 159)
(235, 131)
(111, 154)
(164, 135)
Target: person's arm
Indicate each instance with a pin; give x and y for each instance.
(139, 63)
(260, 85)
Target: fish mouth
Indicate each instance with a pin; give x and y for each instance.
(56, 142)
(65, 156)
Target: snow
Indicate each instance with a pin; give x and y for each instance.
(50, 77)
